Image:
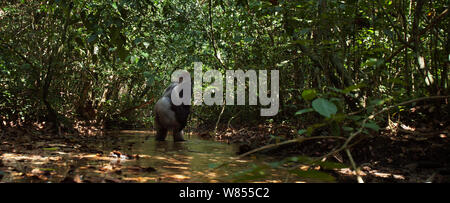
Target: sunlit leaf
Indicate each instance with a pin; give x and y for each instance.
(353, 87)
(114, 5)
(309, 94)
(51, 148)
(377, 102)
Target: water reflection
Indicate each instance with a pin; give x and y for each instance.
(169, 146)
(147, 160)
(189, 161)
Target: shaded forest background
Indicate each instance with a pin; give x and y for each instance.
(347, 68)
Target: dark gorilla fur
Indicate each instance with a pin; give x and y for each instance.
(170, 117)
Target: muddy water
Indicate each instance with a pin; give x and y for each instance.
(131, 156)
(190, 161)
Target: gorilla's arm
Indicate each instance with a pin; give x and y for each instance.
(181, 114)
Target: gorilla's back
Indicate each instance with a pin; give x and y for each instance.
(171, 116)
(165, 114)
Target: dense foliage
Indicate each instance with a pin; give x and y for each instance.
(107, 61)
(96, 59)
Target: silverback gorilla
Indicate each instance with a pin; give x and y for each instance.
(169, 116)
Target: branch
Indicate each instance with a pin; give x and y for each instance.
(298, 140)
(353, 135)
(229, 121)
(386, 109)
(20, 55)
(423, 31)
(218, 119)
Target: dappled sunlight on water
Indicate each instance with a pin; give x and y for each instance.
(189, 161)
(135, 157)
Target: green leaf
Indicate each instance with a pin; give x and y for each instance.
(213, 165)
(353, 87)
(389, 33)
(275, 164)
(305, 31)
(377, 102)
(356, 117)
(47, 169)
(303, 131)
(301, 159)
(304, 111)
(371, 62)
(144, 54)
(324, 107)
(91, 38)
(375, 62)
(248, 39)
(372, 126)
(294, 159)
(114, 5)
(336, 89)
(309, 94)
(51, 148)
(138, 40)
(257, 172)
(311, 129)
(348, 128)
(25, 66)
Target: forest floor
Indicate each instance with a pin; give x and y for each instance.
(403, 157)
(403, 153)
(408, 151)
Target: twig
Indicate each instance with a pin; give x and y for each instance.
(218, 119)
(298, 140)
(353, 135)
(358, 177)
(430, 179)
(345, 146)
(386, 109)
(229, 121)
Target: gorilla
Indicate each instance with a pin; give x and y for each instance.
(169, 116)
